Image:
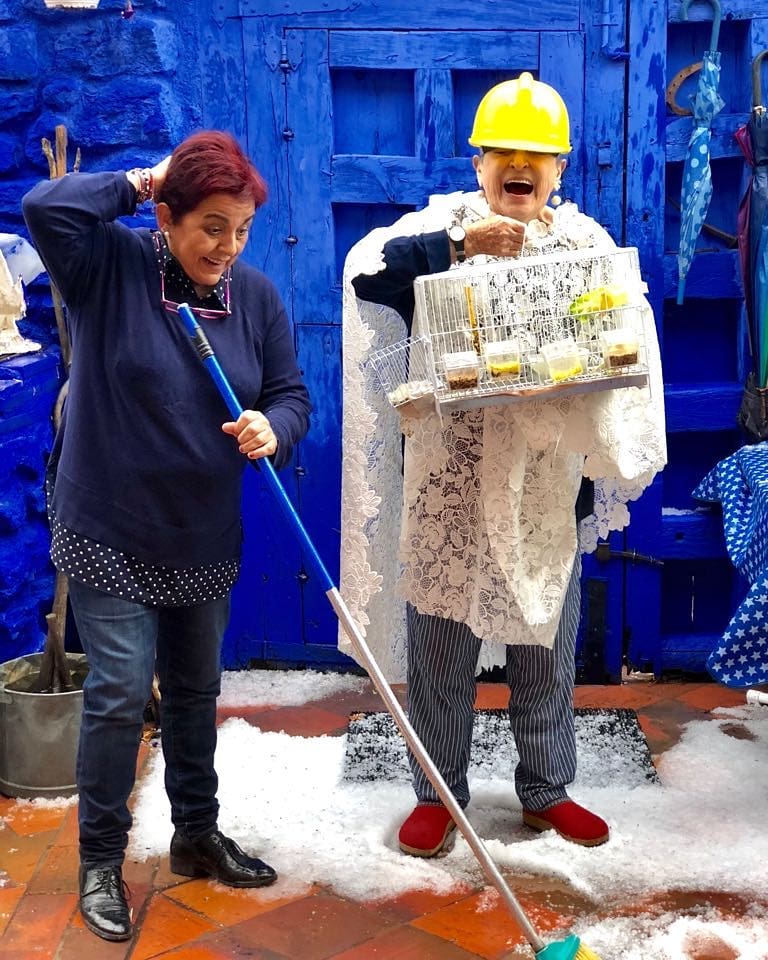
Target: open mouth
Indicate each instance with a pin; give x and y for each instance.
(518, 188)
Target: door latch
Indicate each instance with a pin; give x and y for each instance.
(604, 553)
(605, 154)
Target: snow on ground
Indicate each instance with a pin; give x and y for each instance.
(702, 829)
(670, 937)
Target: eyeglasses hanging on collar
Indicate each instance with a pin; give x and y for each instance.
(205, 313)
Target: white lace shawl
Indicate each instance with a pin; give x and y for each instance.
(488, 534)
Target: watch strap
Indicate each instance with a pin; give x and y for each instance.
(458, 245)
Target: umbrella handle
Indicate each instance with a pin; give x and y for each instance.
(757, 90)
(715, 36)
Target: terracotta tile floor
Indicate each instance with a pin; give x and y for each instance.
(199, 920)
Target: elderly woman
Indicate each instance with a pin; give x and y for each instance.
(145, 480)
(488, 534)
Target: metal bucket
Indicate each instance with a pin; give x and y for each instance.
(39, 732)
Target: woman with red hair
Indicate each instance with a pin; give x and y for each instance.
(145, 480)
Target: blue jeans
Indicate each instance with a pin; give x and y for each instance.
(126, 643)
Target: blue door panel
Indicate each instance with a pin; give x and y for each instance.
(416, 50)
(266, 601)
(374, 122)
(352, 220)
(320, 355)
(265, 53)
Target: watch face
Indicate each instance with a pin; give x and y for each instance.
(457, 233)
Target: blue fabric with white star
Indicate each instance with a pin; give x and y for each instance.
(739, 483)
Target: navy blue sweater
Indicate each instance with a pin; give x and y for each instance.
(405, 258)
(141, 461)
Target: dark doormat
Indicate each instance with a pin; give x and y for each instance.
(611, 748)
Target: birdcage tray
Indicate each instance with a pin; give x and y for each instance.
(421, 402)
(493, 395)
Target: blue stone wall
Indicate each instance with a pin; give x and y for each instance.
(28, 387)
(128, 90)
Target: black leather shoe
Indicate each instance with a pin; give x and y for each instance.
(219, 857)
(103, 902)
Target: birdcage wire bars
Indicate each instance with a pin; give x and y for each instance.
(518, 329)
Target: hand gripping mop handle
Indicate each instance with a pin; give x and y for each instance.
(364, 654)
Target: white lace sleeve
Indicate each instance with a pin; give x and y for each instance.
(623, 436)
(372, 465)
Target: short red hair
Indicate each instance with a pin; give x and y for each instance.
(209, 162)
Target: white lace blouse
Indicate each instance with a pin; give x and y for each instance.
(477, 522)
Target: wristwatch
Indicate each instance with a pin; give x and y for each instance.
(457, 235)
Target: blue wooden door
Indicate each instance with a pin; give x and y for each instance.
(356, 119)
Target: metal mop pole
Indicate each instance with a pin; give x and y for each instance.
(364, 654)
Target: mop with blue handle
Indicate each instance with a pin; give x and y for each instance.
(569, 949)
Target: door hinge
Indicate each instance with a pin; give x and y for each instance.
(284, 53)
(284, 62)
(606, 21)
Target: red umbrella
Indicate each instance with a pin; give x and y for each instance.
(753, 249)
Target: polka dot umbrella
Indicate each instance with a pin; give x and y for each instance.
(696, 191)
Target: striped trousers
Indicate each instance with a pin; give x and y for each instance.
(442, 660)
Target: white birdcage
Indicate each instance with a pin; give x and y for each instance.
(405, 371)
(521, 328)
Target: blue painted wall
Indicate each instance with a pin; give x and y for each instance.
(27, 392)
(128, 89)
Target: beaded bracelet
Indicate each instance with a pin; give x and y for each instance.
(147, 189)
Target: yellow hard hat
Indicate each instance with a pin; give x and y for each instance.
(522, 114)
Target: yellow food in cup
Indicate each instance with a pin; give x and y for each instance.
(601, 298)
(558, 375)
(504, 368)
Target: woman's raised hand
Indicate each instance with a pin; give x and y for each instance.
(158, 174)
(496, 236)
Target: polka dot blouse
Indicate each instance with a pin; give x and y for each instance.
(112, 571)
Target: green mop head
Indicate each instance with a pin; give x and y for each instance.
(570, 949)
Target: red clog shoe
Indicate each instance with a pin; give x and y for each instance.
(571, 821)
(426, 831)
